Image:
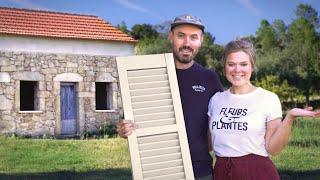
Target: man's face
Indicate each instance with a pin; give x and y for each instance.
(186, 41)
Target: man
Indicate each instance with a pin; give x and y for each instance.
(196, 85)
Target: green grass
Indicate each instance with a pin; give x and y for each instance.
(301, 158)
(57, 158)
(109, 158)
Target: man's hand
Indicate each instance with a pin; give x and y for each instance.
(125, 128)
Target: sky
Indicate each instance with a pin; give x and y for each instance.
(224, 19)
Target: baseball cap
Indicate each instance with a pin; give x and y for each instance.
(187, 19)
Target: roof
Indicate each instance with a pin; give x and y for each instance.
(41, 23)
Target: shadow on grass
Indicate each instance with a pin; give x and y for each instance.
(302, 175)
(125, 174)
(109, 174)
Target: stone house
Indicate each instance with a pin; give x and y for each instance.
(58, 73)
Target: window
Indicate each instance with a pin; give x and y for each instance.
(103, 96)
(29, 100)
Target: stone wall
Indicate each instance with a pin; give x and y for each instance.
(49, 70)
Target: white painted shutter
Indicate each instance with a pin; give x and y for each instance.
(150, 95)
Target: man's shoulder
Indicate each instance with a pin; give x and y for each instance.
(205, 70)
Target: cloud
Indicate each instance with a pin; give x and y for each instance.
(27, 4)
(250, 6)
(130, 5)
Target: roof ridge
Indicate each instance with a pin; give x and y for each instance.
(47, 11)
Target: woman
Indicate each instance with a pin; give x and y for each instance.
(245, 121)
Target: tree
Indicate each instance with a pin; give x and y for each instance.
(309, 13)
(153, 46)
(297, 58)
(281, 33)
(143, 31)
(163, 28)
(210, 55)
(123, 27)
(280, 87)
(301, 58)
(266, 36)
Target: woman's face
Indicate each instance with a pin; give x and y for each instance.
(238, 69)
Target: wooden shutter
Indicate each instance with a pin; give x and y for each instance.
(150, 95)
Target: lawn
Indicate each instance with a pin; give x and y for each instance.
(64, 159)
(109, 158)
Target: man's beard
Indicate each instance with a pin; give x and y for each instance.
(184, 59)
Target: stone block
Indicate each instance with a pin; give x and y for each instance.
(20, 58)
(86, 94)
(4, 61)
(4, 77)
(71, 65)
(42, 86)
(8, 68)
(5, 104)
(29, 76)
(9, 90)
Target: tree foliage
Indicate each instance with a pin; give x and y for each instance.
(123, 27)
(266, 36)
(307, 12)
(280, 87)
(287, 56)
(153, 46)
(295, 57)
(143, 31)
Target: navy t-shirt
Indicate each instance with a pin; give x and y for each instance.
(197, 85)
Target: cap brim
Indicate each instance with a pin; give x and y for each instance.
(173, 25)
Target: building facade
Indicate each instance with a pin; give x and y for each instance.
(58, 74)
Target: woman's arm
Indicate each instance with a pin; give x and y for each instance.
(278, 132)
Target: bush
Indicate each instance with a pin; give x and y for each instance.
(108, 130)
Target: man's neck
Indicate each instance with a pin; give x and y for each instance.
(180, 65)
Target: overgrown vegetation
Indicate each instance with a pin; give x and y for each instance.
(108, 130)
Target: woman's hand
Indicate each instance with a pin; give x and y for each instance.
(307, 112)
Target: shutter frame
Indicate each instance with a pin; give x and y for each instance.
(136, 65)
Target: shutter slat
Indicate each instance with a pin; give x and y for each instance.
(152, 110)
(150, 97)
(146, 72)
(160, 144)
(158, 165)
(168, 177)
(160, 151)
(159, 172)
(162, 102)
(158, 137)
(142, 79)
(149, 91)
(147, 85)
(154, 123)
(149, 117)
(161, 158)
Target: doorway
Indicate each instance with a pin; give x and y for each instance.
(68, 105)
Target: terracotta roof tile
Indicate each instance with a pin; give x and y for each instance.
(56, 24)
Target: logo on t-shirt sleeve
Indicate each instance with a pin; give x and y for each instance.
(230, 118)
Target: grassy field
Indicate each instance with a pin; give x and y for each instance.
(64, 159)
(109, 158)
